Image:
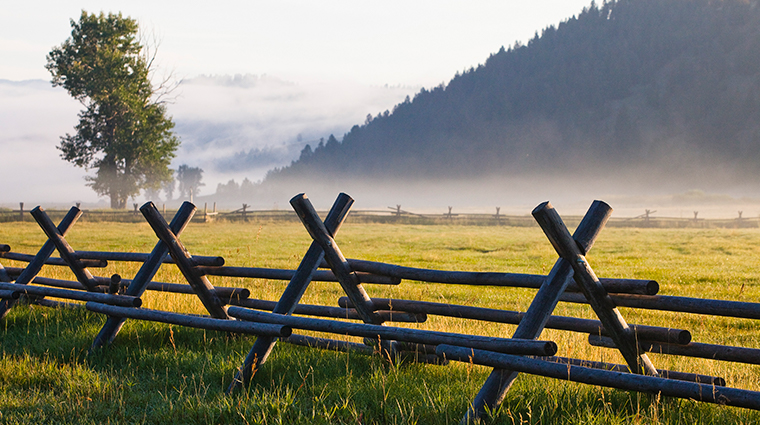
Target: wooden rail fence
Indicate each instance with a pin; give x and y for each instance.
(232, 310)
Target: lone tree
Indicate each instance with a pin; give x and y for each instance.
(123, 132)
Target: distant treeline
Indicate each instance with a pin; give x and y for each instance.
(663, 83)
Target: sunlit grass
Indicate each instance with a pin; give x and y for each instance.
(157, 373)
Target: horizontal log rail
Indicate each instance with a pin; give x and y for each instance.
(137, 257)
(9, 294)
(694, 349)
(516, 346)
(515, 280)
(606, 378)
(670, 374)
(573, 324)
(227, 293)
(738, 309)
(334, 312)
(192, 321)
(52, 261)
(78, 295)
(284, 274)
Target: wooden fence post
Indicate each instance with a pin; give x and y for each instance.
(21, 210)
(185, 263)
(34, 266)
(143, 277)
(335, 259)
(555, 230)
(64, 249)
(294, 291)
(496, 386)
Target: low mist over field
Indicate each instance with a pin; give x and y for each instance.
(233, 127)
(645, 104)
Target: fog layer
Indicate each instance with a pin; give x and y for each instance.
(233, 127)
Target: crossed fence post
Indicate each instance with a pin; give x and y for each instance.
(64, 249)
(294, 291)
(199, 282)
(34, 267)
(143, 277)
(571, 250)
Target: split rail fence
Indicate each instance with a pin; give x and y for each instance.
(232, 310)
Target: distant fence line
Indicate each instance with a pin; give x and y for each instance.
(394, 215)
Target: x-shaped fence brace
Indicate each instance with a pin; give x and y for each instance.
(508, 356)
(170, 243)
(56, 241)
(493, 391)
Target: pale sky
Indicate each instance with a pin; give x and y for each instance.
(327, 65)
(394, 42)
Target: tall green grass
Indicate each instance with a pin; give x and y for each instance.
(156, 373)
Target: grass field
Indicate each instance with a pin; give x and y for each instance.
(166, 374)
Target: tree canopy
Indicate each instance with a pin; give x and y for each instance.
(124, 132)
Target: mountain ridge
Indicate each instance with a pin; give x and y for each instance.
(659, 86)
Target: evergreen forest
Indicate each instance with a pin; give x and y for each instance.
(670, 85)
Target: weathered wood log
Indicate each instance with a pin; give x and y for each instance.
(398, 334)
(224, 292)
(333, 312)
(4, 276)
(515, 280)
(34, 266)
(739, 309)
(669, 374)
(695, 349)
(493, 391)
(334, 257)
(142, 279)
(555, 230)
(297, 285)
(203, 288)
(64, 249)
(113, 287)
(9, 294)
(200, 260)
(573, 324)
(624, 381)
(192, 321)
(52, 261)
(284, 274)
(66, 284)
(119, 300)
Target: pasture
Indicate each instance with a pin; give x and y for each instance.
(156, 373)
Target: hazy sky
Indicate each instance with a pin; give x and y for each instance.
(329, 63)
(393, 42)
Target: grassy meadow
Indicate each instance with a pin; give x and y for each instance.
(155, 373)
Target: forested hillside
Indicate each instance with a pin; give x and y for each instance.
(666, 84)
